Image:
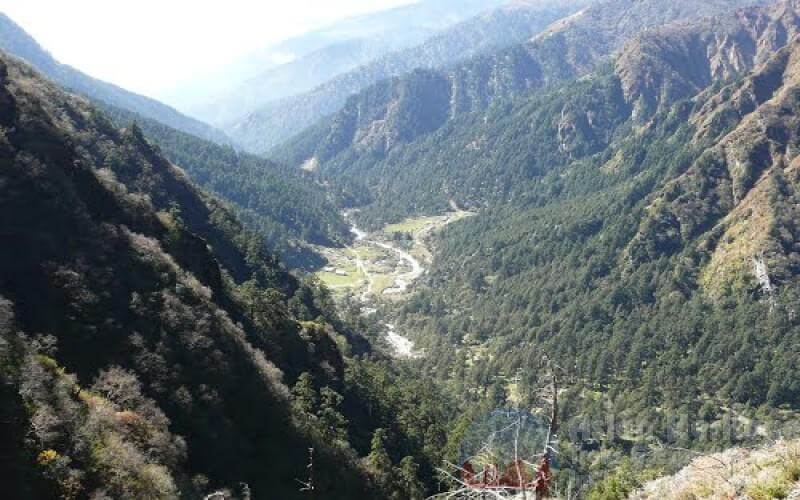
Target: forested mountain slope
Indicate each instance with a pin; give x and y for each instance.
(14, 40)
(289, 209)
(286, 206)
(148, 343)
(636, 226)
(692, 207)
(399, 110)
(487, 157)
(516, 22)
(320, 56)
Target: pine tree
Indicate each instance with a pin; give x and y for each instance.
(304, 397)
(378, 458)
(334, 423)
(407, 477)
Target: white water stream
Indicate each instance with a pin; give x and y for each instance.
(402, 346)
(401, 282)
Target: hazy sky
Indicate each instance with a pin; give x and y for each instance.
(150, 46)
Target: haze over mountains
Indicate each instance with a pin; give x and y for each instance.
(265, 124)
(599, 195)
(16, 41)
(297, 65)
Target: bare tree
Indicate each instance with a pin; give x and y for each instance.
(308, 484)
(544, 476)
(468, 486)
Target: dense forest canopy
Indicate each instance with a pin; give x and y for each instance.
(152, 347)
(635, 225)
(290, 209)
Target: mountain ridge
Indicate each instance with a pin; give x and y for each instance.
(501, 27)
(566, 52)
(323, 54)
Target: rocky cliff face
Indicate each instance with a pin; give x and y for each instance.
(666, 65)
(742, 191)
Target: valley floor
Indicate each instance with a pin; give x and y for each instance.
(384, 266)
(383, 263)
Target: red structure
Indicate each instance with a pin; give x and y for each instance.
(515, 476)
(543, 478)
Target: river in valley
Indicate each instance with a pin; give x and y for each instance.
(402, 346)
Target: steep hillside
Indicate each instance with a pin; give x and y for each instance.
(571, 47)
(148, 343)
(15, 41)
(286, 206)
(741, 192)
(739, 473)
(270, 124)
(319, 56)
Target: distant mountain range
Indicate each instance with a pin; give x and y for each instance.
(390, 112)
(14, 40)
(299, 64)
(272, 123)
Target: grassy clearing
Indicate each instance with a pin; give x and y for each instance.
(410, 225)
(415, 224)
(333, 280)
(366, 252)
(381, 283)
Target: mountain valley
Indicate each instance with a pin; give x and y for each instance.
(547, 249)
